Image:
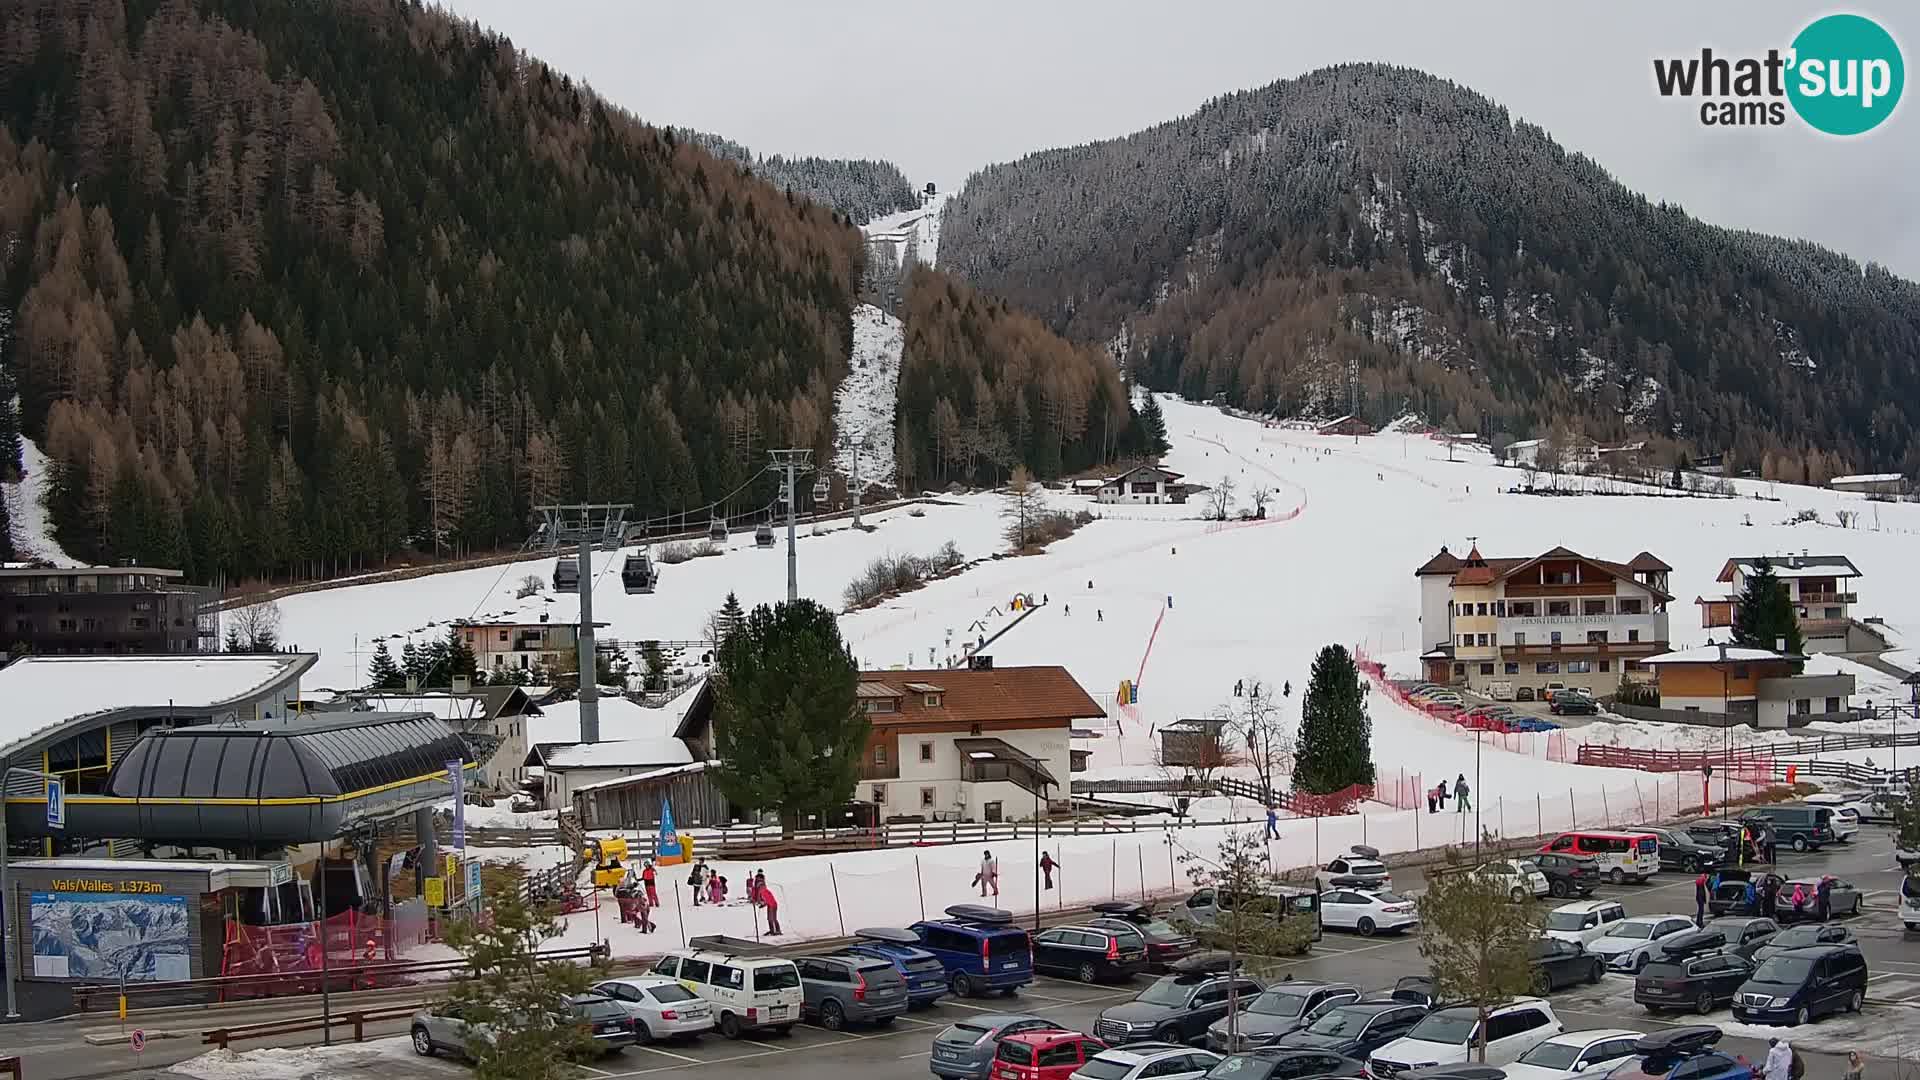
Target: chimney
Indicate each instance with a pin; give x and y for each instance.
(1779, 644)
(462, 684)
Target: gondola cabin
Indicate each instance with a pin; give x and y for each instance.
(566, 575)
(821, 489)
(763, 535)
(717, 530)
(638, 574)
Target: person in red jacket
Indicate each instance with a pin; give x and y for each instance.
(647, 879)
(771, 905)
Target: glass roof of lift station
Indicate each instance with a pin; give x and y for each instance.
(295, 758)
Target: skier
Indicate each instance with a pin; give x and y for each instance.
(1823, 896)
(1067, 609)
(1089, 583)
(1443, 793)
(758, 886)
(989, 875)
(1460, 803)
(716, 890)
(1700, 901)
(772, 906)
(1433, 798)
(1273, 824)
(1099, 615)
(1169, 599)
(647, 879)
(1046, 868)
(694, 877)
(643, 912)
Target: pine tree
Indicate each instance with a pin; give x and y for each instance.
(382, 672)
(789, 736)
(1477, 941)
(1336, 734)
(1154, 422)
(725, 621)
(413, 664)
(1763, 615)
(460, 659)
(655, 666)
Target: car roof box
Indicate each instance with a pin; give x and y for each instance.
(1462, 1071)
(1205, 963)
(981, 914)
(891, 935)
(1679, 1041)
(1349, 881)
(1365, 852)
(1698, 941)
(1123, 908)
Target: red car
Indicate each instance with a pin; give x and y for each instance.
(1043, 1055)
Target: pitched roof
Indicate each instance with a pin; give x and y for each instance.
(1168, 473)
(1710, 654)
(1474, 571)
(625, 753)
(995, 694)
(1503, 568)
(1793, 566)
(1444, 563)
(1647, 561)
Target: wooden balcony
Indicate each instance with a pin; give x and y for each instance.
(1584, 588)
(1583, 648)
(1828, 598)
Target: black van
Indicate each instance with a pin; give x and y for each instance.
(1798, 825)
(1799, 985)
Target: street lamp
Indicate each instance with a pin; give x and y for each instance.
(1478, 794)
(6, 886)
(1726, 732)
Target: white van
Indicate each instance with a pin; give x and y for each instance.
(748, 988)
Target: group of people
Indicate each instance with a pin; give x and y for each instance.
(639, 893)
(1437, 797)
(1765, 897)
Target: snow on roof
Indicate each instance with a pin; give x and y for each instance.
(619, 719)
(139, 866)
(1710, 654)
(444, 706)
(653, 774)
(1524, 444)
(1868, 478)
(613, 755)
(1822, 566)
(44, 692)
(1089, 483)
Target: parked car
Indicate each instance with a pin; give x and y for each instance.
(1280, 1010)
(1205, 907)
(445, 1027)
(1846, 813)
(1568, 875)
(1043, 1055)
(748, 989)
(1568, 703)
(1745, 934)
(1285, 1063)
(1166, 943)
(1843, 899)
(1367, 912)
(1681, 1053)
(964, 1050)
(1558, 963)
(1701, 981)
(1879, 806)
(1730, 896)
(1178, 1007)
(860, 989)
(926, 977)
(1445, 1037)
(1623, 855)
(1679, 851)
(1359, 868)
(1571, 1053)
(1148, 1061)
(660, 1007)
(1584, 921)
(1910, 901)
(1357, 1029)
(1090, 953)
(1519, 877)
(1523, 693)
(1799, 985)
(1797, 825)
(980, 949)
(1805, 935)
(1634, 943)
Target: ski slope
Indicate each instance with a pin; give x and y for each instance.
(1349, 522)
(917, 229)
(863, 405)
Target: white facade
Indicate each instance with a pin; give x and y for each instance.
(1142, 485)
(930, 768)
(1436, 610)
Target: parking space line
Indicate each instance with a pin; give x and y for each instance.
(910, 1057)
(591, 1069)
(975, 1008)
(764, 1046)
(651, 1049)
(921, 1023)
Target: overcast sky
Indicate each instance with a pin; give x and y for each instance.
(943, 88)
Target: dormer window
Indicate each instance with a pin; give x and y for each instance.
(930, 695)
(932, 701)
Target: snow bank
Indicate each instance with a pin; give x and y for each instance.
(27, 509)
(863, 405)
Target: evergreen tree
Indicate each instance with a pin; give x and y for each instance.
(1906, 822)
(654, 664)
(1763, 615)
(413, 664)
(460, 659)
(1477, 940)
(382, 672)
(233, 642)
(726, 620)
(1336, 734)
(1153, 423)
(519, 1023)
(789, 736)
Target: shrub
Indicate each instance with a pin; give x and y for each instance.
(531, 585)
(682, 550)
(1055, 525)
(1643, 694)
(890, 575)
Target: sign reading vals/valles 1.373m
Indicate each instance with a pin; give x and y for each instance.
(95, 885)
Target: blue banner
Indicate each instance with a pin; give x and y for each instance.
(457, 774)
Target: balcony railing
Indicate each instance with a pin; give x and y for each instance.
(1598, 648)
(1828, 598)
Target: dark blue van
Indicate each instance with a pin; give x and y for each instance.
(980, 949)
(926, 976)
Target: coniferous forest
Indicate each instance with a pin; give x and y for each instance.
(297, 286)
(1376, 220)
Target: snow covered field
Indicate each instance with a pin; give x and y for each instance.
(863, 406)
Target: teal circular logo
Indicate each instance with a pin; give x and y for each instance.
(1847, 74)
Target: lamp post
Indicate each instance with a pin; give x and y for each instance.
(1726, 732)
(7, 906)
(1478, 794)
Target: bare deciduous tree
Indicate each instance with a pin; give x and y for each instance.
(1022, 506)
(1220, 499)
(1260, 496)
(1256, 720)
(254, 628)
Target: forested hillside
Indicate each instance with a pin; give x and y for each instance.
(298, 285)
(1473, 270)
(859, 188)
(984, 388)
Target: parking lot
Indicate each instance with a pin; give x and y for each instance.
(1885, 1028)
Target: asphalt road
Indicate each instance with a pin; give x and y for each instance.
(1889, 1027)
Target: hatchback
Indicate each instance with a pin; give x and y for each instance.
(660, 1007)
(862, 989)
(1090, 953)
(1043, 1055)
(1148, 1061)
(926, 978)
(1571, 1053)
(1682, 1053)
(965, 1050)
(1165, 942)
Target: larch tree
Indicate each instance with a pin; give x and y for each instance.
(1022, 505)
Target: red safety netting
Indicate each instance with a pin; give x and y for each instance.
(350, 940)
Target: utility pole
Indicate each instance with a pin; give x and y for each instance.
(589, 668)
(793, 463)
